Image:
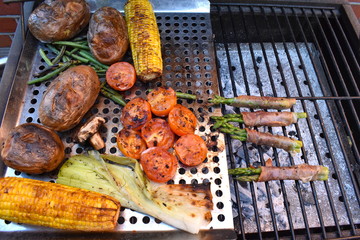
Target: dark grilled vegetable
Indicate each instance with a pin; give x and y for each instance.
(69, 97)
(33, 149)
(58, 20)
(135, 114)
(107, 35)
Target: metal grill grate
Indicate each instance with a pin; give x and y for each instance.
(304, 53)
(189, 66)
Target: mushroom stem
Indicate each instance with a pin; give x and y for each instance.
(96, 141)
(89, 128)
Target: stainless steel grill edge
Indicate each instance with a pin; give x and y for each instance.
(303, 49)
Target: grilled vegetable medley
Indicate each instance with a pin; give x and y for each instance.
(156, 134)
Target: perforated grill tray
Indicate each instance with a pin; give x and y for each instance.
(189, 66)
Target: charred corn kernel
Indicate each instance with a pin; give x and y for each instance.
(144, 39)
(54, 205)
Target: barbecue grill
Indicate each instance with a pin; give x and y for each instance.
(307, 50)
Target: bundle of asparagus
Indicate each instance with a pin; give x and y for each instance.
(260, 118)
(259, 138)
(256, 102)
(303, 172)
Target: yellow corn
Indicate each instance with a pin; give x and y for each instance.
(54, 205)
(144, 39)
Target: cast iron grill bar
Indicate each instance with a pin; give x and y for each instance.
(328, 98)
(344, 118)
(314, 193)
(284, 131)
(332, 116)
(313, 140)
(254, 201)
(354, 64)
(349, 132)
(311, 128)
(346, 46)
(336, 66)
(349, 51)
(286, 202)
(338, 100)
(348, 71)
(340, 108)
(324, 130)
(317, 110)
(298, 131)
(268, 192)
(271, 5)
(316, 148)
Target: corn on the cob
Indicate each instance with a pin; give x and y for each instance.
(54, 205)
(144, 39)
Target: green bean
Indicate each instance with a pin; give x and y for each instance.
(51, 74)
(72, 44)
(88, 55)
(60, 54)
(77, 57)
(66, 59)
(79, 38)
(46, 59)
(74, 50)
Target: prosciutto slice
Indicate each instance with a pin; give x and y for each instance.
(272, 119)
(303, 172)
(268, 139)
(263, 102)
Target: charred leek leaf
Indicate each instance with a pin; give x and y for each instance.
(186, 207)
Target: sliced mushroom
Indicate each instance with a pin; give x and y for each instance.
(90, 131)
(96, 141)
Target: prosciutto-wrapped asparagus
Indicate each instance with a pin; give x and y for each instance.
(259, 138)
(256, 102)
(268, 139)
(303, 172)
(260, 118)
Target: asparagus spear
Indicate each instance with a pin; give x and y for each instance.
(260, 118)
(183, 95)
(259, 138)
(112, 94)
(303, 172)
(255, 102)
